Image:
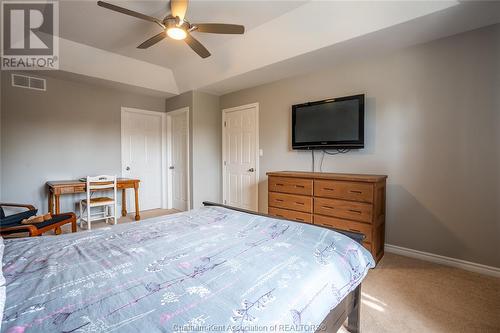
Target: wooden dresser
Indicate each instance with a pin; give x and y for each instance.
(344, 201)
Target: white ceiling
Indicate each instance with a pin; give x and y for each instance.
(282, 38)
(85, 22)
(465, 17)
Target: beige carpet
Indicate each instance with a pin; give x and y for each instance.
(146, 214)
(409, 295)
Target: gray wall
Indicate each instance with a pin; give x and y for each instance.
(180, 101)
(1, 106)
(207, 149)
(69, 131)
(432, 125)
(205, 119)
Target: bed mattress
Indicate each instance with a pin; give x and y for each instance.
(209, 269)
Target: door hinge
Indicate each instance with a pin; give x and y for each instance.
(225, 124)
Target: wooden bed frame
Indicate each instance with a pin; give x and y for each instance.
(349, 308)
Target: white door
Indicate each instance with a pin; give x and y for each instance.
(240, 156)
(142, 156)
(179, 174)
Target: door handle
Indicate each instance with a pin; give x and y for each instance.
(171, 167)
(251, 170)
(127, 168)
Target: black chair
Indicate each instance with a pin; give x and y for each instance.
(12, 223)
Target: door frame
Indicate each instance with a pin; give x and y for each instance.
(163, 149)
(257, 148)
(169, 156)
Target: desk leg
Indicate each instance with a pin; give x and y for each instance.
(124, 202)
(136, 193)
(58, 207)
(51, 203)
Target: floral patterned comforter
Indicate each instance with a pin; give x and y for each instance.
(210, 269)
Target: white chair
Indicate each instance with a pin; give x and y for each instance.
(99, 183)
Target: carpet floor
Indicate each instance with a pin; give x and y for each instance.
(408, 295)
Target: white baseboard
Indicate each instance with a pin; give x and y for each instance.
(438, 259)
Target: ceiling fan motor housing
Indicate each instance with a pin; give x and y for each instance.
(175, 22)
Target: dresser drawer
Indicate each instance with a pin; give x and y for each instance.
(291, 185)
(346, 225)
(290, 201)
(343, 209)
(290, 214)
(343, 190)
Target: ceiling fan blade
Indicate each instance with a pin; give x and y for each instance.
(197, 46)
(128, 12)
(179, 8)
(220, 28)
(153, 40)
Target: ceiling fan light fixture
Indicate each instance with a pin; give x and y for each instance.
(176, 33)
(176, 27)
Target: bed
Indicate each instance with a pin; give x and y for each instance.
(206, 270)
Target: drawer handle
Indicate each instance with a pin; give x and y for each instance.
(355, 211)
(279, 215)
(350, 229)
(357, 192)
(328, 189)
(299, 186)
(299, 219)
(278, 184)
(279, 200)
(328, 207)
(299, 203)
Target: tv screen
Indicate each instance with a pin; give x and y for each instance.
(334, 123)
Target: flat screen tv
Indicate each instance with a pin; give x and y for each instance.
(336, 123)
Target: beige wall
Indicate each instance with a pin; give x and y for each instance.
(70, 131)
(432, 125)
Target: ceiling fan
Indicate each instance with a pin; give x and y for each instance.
(176, 27)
